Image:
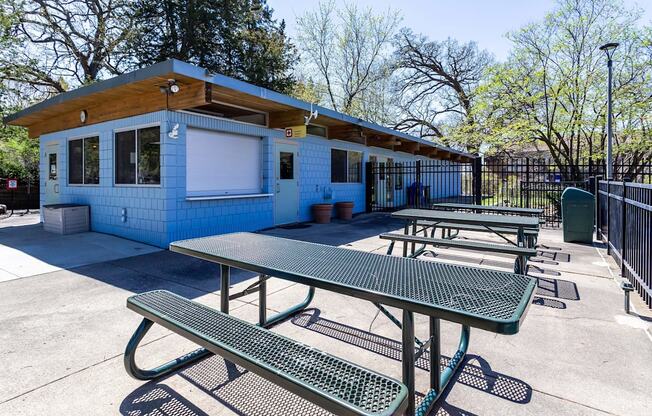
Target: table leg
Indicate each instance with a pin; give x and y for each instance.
(225, 282)
(408, 359)
(414, 232)
(262, 300)
(521, 237)
(435, 355)
(406, 231)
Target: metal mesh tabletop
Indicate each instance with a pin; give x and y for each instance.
(490, 208)
(490, 220)
(487, 299)
(368, 392)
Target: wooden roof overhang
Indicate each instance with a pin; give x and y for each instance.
(139, 93)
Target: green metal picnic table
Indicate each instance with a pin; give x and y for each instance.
(490, 222)
(529, 212)
(473, 297)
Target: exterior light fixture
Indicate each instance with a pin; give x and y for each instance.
(608, 49)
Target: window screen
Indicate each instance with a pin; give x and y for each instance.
(138, 156)
(346, 166)
(220, 163)
(75, 162)
(149, 156)
(125, 157)
(338, 165)
(92, 160)
(84, 161)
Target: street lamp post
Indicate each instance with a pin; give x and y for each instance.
(609, 49)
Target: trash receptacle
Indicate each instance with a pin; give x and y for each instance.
(577, 215)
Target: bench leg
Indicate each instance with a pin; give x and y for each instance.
(390, 248)
(449, 371)
(136, 372)
(290, 311)
(520, 265)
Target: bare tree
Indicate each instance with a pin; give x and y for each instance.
(349, 49)
(61, 43)
(436, 83)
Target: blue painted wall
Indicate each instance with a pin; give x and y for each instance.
(160, 214)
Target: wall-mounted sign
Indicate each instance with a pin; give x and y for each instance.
(12, 184)
(295, 132)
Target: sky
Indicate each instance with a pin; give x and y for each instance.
(483, 21)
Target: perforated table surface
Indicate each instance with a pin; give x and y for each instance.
(491, 208)
(489, 220)
(491, 300)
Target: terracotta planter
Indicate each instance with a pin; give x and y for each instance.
(322, 213)
(344, 210)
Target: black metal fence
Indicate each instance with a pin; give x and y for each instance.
(419, 184)
(539, 183)
(624, 222)
(523, 182)
(25, 197)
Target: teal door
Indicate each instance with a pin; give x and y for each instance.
(286, 200)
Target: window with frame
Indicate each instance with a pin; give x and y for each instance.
(84, 161)
(138, 156)
(346, 166)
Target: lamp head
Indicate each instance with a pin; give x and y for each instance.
(609, 46)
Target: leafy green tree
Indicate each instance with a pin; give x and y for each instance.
(552, 89)
(238, 38)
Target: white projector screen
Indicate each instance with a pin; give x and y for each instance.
(220, 163)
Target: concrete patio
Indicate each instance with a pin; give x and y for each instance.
(65, 326)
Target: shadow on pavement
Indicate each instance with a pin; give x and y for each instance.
(478, 376)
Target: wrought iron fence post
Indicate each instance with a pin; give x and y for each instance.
(623, 229)
(369, 186)
(598, 217)
(477, 180)
(608, 216)
(527, 182)
(418, 189)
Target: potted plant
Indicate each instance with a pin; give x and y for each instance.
(322, 213)
(344, 210)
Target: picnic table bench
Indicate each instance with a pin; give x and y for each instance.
(520, 263)
(473, 297)
(529, 212)
(525, 228)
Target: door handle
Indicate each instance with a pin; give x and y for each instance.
(278, 188)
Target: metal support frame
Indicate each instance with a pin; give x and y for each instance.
(136, 372)
(130, 352)
(438, 379)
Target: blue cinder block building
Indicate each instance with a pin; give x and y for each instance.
(171, 151)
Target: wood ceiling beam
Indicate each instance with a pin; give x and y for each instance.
(283, 119)
(349, 133)
(408, 147)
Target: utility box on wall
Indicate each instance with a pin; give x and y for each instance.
(577, 211)
(66, 218)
